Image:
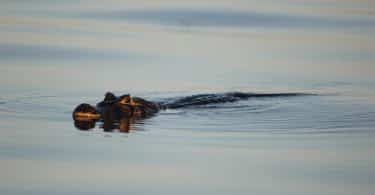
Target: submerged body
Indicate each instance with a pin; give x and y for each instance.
(119, 112)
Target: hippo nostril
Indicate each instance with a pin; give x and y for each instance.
(85, 112)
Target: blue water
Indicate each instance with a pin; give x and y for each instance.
(56, 55)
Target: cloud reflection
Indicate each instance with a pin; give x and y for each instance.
(37, 52)
(216, 18)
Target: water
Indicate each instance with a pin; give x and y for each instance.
(56, 55)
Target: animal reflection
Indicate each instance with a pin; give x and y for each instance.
(123, 125)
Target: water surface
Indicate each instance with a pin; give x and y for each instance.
(56, 55)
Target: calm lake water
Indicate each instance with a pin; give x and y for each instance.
(55, 55)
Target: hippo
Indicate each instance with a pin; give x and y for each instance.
(115, 112)
(118, 107)
(120, 112)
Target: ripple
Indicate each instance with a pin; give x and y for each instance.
(315, 114)
(215, 99)
(35, 107)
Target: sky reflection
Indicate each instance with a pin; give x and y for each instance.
(39, 52)
(212, 18)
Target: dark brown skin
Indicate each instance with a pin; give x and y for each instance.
(115, 112)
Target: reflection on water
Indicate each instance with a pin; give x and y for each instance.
(40, 53)
(220, 18)
(175, 46)
(124, 125)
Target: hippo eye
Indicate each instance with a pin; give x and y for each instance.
(125, 99)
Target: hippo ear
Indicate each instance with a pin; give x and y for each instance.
(109, 96)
